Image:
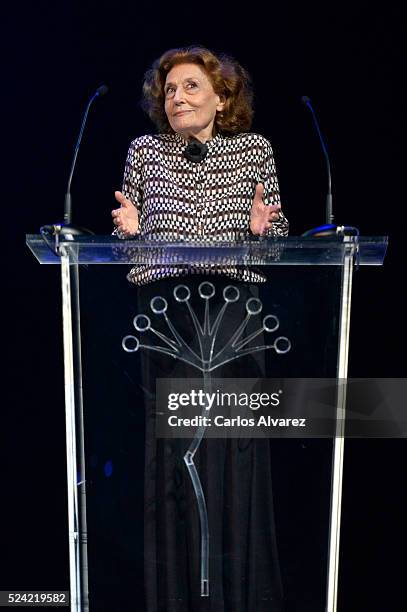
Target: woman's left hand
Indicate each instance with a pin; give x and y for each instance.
(262, 216)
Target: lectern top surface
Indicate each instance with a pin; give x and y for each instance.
(291, 250)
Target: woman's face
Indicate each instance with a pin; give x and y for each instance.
(190, 101)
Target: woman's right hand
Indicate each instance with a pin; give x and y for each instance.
(125, 218)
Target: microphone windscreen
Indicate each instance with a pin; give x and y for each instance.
(102, 90)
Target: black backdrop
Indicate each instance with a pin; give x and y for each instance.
(349, 61)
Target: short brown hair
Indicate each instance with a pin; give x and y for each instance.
(228, 79)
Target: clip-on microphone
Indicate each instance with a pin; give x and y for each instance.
(196, 151)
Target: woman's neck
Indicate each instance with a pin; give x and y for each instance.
(202, 136)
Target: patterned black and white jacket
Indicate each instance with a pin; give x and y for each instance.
(181, 200)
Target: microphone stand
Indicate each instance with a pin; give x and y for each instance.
(329, 228)
(329, 218)
(67, 230)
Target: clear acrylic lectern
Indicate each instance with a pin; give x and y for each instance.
(302, 331)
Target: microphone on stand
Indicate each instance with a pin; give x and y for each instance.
(67, 229)
(329, 227)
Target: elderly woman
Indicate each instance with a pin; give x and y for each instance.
(223, 186)
(204, 176)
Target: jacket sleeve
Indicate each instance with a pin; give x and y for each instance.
(268, 176)
(131, 187)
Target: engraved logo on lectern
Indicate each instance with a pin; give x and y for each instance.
(206, 356)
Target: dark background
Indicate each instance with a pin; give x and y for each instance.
(349, 62)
